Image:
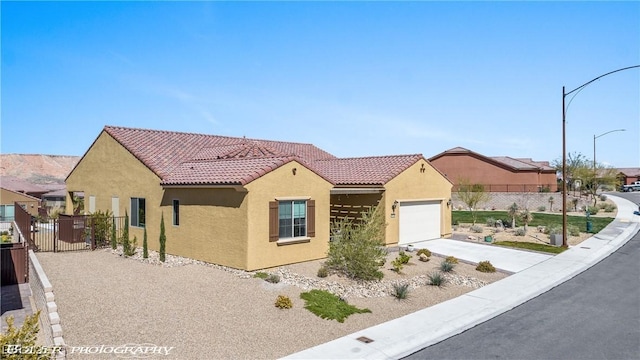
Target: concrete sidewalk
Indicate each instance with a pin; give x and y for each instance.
(403, 336)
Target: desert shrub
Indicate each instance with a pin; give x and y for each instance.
(25, 338)
(129, 248)
(520, 232)
(359, 249)
(329, 306)
(451, 259)
(476, 228)
(101, 222)
(553, 229)
(491, 222)
(261, 275)
(446, 266)
(283, 302)
(404, 257)
(593, 210)
(609, 207)
(603, 197)
(323, 272)
(424, 251)
(485, 266)
(273, 278)
(574, 204)
(573, 230)
(397, 265)
(400, 291)
(436, 279)
(542, 208)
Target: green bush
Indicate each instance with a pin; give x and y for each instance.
(404, 257)
(397, 265)
(358, 249)
(485, 266)
(609, 207)
(101, 222)
(436, 279)
(261, 275)
(283, 302)
(323, 272)
(491, 222)
(476, 228)
(593, 210)
(520, 232)
(424, 251)
(553, 229)
(446, 266)
(400, 291)
(329, 306)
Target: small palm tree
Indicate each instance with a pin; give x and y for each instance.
(513, 213)
(551, 200)
(526, 217)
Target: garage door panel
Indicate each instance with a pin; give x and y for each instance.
(419, 221)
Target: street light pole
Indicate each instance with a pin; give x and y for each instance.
(564, 146)
(594, 148)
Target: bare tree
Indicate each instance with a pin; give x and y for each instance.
(472, 195)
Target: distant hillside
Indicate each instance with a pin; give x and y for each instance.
(36, 168)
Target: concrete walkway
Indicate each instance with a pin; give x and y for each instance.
(506, 259)
(403, 336)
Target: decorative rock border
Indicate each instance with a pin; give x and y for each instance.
(42, 292)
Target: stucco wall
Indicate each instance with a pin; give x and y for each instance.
(476, 171)
(280, 183)
(108, 170)
(9, 198)
(414, 184)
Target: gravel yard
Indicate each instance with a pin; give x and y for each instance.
(206, 311)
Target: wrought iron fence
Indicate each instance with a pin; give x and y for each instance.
(68, 232)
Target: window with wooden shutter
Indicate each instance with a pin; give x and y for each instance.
(311, 218)
(274, 234)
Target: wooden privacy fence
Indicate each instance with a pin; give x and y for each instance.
(68, 232)
(15, 263)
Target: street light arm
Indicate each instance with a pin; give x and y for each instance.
(608, 132)
(599, 77)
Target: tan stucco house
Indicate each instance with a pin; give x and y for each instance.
(253, 204)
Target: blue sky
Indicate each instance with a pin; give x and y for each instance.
(354, 78)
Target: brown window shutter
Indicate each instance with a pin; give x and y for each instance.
(311, 218)
(274, 231)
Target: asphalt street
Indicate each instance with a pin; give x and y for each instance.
(595, 315)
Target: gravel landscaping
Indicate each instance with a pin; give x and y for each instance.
(208, 311)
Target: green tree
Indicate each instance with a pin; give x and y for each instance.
(575, 161)
(593, 180)
(472, 195)
(163, 239)
(114, 240)
(145, 248)
(357, 250)
(125, 234)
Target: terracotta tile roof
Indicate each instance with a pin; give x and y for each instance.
(164, 151)
(197, 159)
(224, 171)
(514, 163)
(19, 185)
(376, 170)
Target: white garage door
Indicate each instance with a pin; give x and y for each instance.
(419, 220)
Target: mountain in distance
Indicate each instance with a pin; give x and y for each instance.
(38, 168)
